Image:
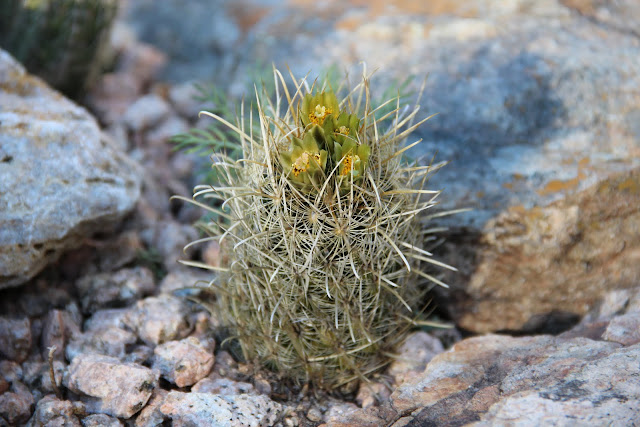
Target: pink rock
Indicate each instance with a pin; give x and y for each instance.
(183, 362)
(151, 415)
(109, 386)
(158, 319)
(16, 405)
(624, 329)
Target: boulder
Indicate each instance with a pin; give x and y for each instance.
(537, 111)
(580, 377)
(61, 181)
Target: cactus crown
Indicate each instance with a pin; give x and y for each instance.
(324, 270)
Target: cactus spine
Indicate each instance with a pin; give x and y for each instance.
(325, 272)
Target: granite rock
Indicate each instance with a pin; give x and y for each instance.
(158, 319)
(151, 415)
(109, 386)
(185, 409)
(183, 362)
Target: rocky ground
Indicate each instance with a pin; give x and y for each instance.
(539, 110)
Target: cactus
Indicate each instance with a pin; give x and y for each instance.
(324, 269)
(62, 41)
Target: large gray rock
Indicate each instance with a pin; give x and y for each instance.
(61, 182)
(537, 103)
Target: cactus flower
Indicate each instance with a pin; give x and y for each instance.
(341, 128)
(316, 108)
(353, 158)
(305, 163)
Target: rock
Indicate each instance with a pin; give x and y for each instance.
(184, 49)
(112, 94)
(371, 393)
(348, 414)
(209, 409)
(109, 341)
(51, 411)
(413, 355)
(183, 98)
(151, 415)
(624, 329)
(170, 238)
(545, 245)
(15, 338)
(37, 377)
(52, 157)
(182, 278)
(16, 405)
(223, 386)
(225, 365)
(114, 289)
(599, 394)
(479, 378)
(115, 253)
(184, 362)
(146, 112)
(622, 15)
(58, 328)
(34, 300)
(108, 386)
(107, 318)
(141, 60)
(314, 415)
(100, 420)
(161, 134)
(158, 319)
(10, 371)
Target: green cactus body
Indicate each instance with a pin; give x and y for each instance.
(325, 272)
(62, 41)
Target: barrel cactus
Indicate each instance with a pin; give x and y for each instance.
(62, 41)
(321, 228)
